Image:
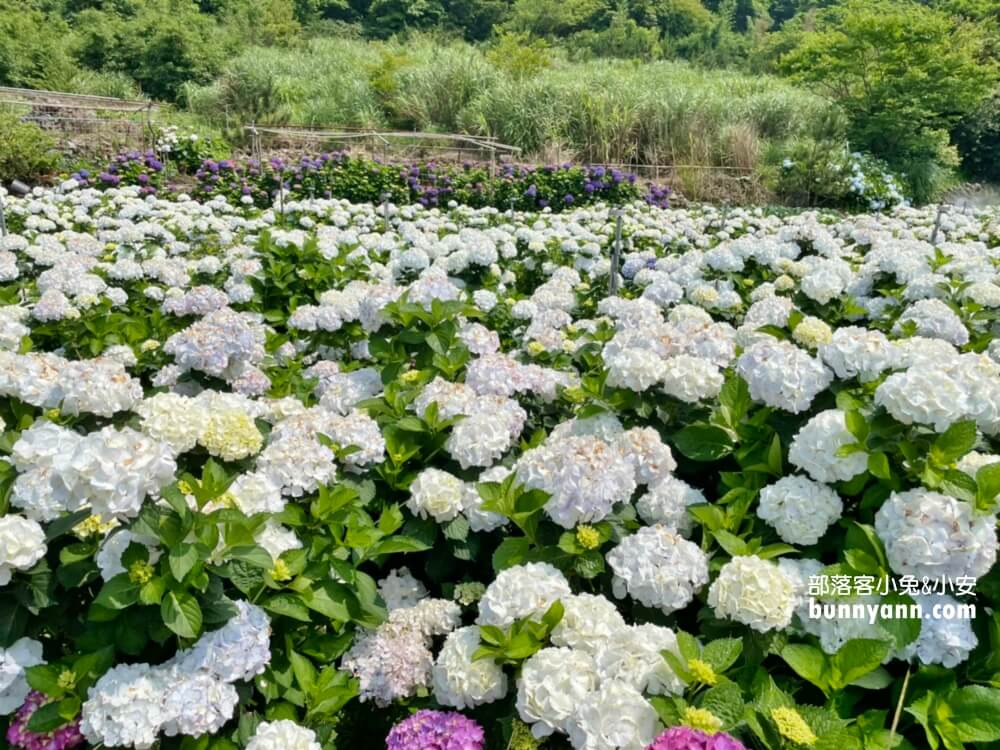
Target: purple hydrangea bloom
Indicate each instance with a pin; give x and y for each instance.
(436, 730)
(685, 738)
(63, 738)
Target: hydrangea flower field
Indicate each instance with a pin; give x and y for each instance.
(342, 477)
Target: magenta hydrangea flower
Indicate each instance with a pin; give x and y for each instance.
(436, 730)
(685, 738)
(63, 738)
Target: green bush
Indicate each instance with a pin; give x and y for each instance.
(905, 74)
(27, 153)
(809, 172)
(978, 140)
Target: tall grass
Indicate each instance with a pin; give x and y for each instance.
(608, 112)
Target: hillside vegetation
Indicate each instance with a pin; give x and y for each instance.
(747, 84)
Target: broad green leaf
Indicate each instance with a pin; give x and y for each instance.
(722, 653)
(703, 442)
(808, 662)
(954, 442)
(118, 593)
(975, 713)
(182, 559)
(855, 659)
(181, 613)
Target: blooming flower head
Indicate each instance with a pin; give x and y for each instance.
(686, 738)
(441, 730)
(792, 726)
(63, 738)
(701, 718)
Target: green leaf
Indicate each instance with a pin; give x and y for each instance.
(856, 424)
(722, 653)
(457, 529)
(182, 559)
(305, 671)
(590, 564)
(553, 615)
(118, 593)
(253, 555)
(703, 442)
(855, 659)
(808, 662)
(50, 716)
(391, 520)
(903, 630)
(288, 605)
(511, 551)
(181, 613)
(725, 701)
(877, 679)
(731, 543)
(45, 679)
(976, 713)
(988, 483)
(878, 465)
(954, 442)
(688, 645)
(398, 544)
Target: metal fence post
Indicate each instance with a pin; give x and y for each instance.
(3, 219)
(385, 211)
(937, 224)
(616, 252)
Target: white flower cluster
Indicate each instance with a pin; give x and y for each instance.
(393, 661)
(192, 694)
(755, 592)
(14, 660)
(111, 471)
(588, 466)
(929, 534)
(783, 376)
(659, 568)
(799, 509)
(97, 386)
(283, 735)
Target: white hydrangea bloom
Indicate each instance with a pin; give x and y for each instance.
(783, 376)
(635, 656)
(585, 476)
(283, 735)
(523, 591)
(934, 319)
(197, 704)
(755, 592)
(814, 449)
(857, 352)
(459, 681)
(666, 503)
(947, 641)
(614, 717)
(588, 621)
(400, 589)
(691, 379)
(659, 568)
(125, 707)
(799, 509)
(553, 684)
(14, 660)
(22, 544)
(436, 494)
(929, 534)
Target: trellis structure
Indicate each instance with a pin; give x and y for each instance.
(83, 123)
(384, 144)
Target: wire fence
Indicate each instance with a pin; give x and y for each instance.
(84, 124)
